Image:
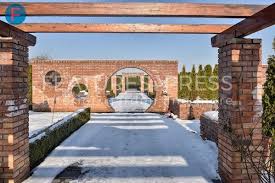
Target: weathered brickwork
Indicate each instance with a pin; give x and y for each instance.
(240, 105)
(95, 74)
(209, 128)
(188, 110)
(14, 142)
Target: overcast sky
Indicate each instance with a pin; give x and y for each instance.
(188, 49)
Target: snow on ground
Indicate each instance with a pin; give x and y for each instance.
(131, 101)
(213, 115)
(133, 148)
(197, 101)
(41, 120)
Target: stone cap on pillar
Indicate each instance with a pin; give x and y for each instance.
(241, 41)
(7, 30)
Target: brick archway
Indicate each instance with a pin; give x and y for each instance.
(156, 83)
(96, 75)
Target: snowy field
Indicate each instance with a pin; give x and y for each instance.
(131, 101)
(40, 120)
(132, 148)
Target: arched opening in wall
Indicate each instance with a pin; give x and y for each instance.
(80, 92)
(130, 90)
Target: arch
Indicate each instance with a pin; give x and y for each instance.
(151, 75)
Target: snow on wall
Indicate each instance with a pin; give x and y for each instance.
(43, 133)
(212, 115)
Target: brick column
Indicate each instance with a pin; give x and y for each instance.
(113, 84)
(239, 108)
(14, 122)
(142, 83)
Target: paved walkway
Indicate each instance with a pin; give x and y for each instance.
(132, 148)
(131, 101)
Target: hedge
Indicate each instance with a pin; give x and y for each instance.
(40, 148)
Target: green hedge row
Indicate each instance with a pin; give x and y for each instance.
(39, 149)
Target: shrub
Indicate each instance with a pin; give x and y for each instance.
(39, 149)
(269, 99)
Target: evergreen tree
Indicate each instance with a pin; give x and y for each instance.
(208, 74)
(183, 81)
(183, 70)
(208, 70)
(201, 87)
(193, 92)
(269, 98)
(269, 105)
(215, 70)
(214, 83)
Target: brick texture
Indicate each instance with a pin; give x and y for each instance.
(240, 105)
(189, 110)
(209, 128)
(95, 74)
(14, 142)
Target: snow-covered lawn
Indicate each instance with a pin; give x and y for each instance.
(131, 101)
(133, 148)
(40, 120)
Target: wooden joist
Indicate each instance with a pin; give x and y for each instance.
(138, 9)
(261, 20)
(122, 28)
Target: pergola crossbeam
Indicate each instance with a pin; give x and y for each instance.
(123, 28)
(138, 9)
(259, 21)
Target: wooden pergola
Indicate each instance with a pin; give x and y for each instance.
(134, 10)
(238, 56)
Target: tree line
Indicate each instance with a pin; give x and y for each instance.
(201, 82)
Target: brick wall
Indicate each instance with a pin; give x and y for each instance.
(95, 74)
(209, 128)
(14, 141)
(189, 110)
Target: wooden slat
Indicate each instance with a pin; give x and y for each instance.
(122, 28)
(7, 30)
(261, 20)
(138, 9)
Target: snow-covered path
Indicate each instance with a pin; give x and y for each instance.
(133, 148)
(131, 101)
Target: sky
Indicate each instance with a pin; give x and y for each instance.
(187, 49)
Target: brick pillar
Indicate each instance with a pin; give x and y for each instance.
(240, 107)
(142, 83)
(113, 84)
(150, 85)
(14, 121)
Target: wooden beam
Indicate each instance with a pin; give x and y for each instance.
(261, 20)
(7, 30)
(122, 28)
(138, 9)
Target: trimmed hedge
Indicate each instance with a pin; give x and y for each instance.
(40, 148)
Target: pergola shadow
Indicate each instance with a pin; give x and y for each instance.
(150, 141)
